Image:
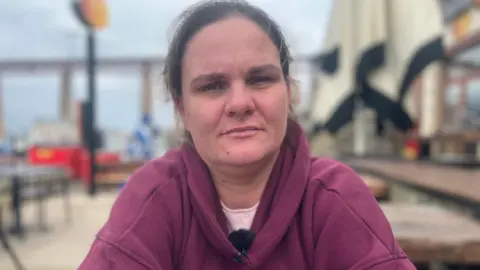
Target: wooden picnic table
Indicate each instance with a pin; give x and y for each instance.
(449, 181)
(122, 167)
(429, 233)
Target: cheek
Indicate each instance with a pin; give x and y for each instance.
(278, 107)
(198, 120)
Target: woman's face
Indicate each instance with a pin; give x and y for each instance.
(235, 99)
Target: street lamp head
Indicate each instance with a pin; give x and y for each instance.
(93, 14)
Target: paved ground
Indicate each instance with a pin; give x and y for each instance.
(64, 246)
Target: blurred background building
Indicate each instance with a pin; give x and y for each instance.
(442, 100)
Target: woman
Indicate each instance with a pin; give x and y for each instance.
(243, 191)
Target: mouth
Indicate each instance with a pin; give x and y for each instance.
(242, 131)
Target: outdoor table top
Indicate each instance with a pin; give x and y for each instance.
(430, 233)
(444, 179)
(27, 171)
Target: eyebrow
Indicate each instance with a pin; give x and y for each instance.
(263, 68)
(221, 76)
(208, 77)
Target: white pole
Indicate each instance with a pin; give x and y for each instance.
(429, 122)
(359, 127)
(2, 116)
(360, 132)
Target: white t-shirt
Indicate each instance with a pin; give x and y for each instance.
(240, 218)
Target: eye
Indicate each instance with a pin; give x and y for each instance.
(213, 86)
(260, 80)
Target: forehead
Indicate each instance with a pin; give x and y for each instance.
(233, 43)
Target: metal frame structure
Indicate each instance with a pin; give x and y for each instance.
(65, 67)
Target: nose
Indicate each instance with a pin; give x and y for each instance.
(240, 101)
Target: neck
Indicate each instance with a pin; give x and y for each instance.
(240, 187)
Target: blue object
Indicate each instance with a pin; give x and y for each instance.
(142, 144)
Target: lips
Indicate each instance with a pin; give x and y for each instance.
(242, 130)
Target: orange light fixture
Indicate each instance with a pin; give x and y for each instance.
(95, 13)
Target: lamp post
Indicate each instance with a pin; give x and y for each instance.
(92, 14)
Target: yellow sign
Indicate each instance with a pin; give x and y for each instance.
(95, 12)
(43, 153)
(409, 153)
(461, 25)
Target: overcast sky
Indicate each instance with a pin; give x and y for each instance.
(46, 28)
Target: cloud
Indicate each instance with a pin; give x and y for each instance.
(47, 29)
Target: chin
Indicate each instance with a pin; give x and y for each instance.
(244, 155)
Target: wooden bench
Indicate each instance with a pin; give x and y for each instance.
(454, 186)
(122, 167)
(112, 177)
(431, 234)
(377, 186)
(116, 173)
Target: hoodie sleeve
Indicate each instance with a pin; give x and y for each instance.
(103, 256)
(139, 233)
(393, 264)
(353, 233)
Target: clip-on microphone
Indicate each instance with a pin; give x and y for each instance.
(242, 240)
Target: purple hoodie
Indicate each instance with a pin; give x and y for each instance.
(315, 213)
